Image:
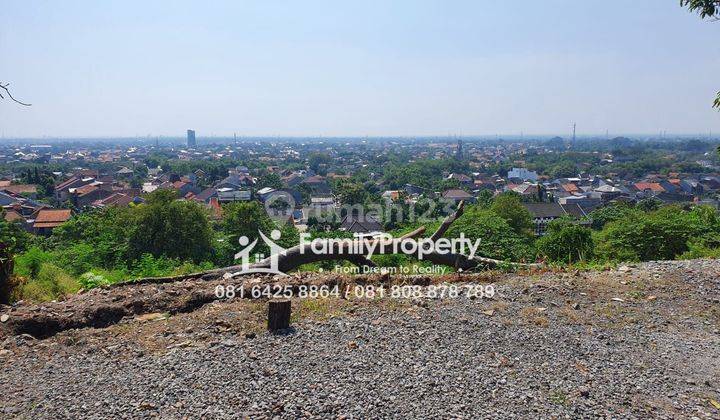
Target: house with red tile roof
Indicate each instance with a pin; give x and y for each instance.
(29, 190)
(653, 187)
(570, 187)
(48, 219)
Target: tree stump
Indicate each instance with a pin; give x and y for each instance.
(278, 315)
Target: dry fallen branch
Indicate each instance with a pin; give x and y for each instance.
(354, 251)
(348, 251)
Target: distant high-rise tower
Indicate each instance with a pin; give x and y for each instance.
(191, 138)
(459, 152)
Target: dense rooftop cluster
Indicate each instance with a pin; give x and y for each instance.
(312, 177)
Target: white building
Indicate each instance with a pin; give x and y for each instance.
(523, 174)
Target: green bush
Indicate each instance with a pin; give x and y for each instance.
(497, 239)
(105, 231)
(658, 235)
(150, 266)
(706, 246)
(566, 242)
(619, 211)
(79, 258)
(50, 283)
(28, 264)
(166, 227)
(90, 280)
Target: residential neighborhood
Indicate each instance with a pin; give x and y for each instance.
(313, 176)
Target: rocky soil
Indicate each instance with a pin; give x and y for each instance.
(637, 342)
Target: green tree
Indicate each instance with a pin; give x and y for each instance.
(12, 240)
(497, 238)
(509, 206)
(485, 198)
(705, 8)
(271, 180)
(611, 213)
(351, 193)
(12, 235)
(246, 219)
(649, 204)
(563, 170)
(105, 231)
(566, 242)
(171, 228)
(316, 162)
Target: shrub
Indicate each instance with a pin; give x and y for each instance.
(51, 283)
(497, 238)
(150, 266)
(90, 280)
(28, 264)
(79, 258)
(566, 242)
(105, 231)
(604, 215)
(707, 246)
(662, 234)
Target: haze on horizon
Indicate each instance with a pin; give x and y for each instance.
(370, 68)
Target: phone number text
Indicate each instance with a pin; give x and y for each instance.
(442, 291)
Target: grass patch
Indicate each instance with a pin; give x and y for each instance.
(558, 397)
(49, 283)
(321, 309)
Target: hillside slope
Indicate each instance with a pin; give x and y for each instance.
(629, 343)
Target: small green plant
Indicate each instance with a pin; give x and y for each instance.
(558, 397)
(91, 280)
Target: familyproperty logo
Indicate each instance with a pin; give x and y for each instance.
(246, 254)
(339, 249)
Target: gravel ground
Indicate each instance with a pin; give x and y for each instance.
(635, 342)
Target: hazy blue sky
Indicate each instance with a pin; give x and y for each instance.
(101, 68)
